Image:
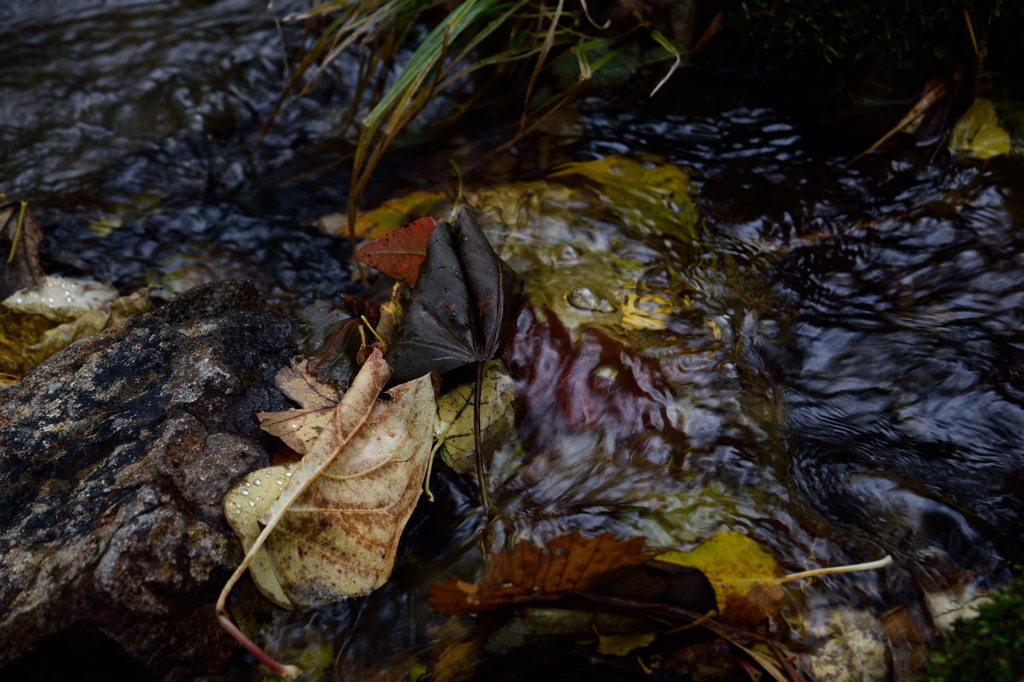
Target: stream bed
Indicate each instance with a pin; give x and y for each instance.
(826, 359)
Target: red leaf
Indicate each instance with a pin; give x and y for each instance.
(400, 253)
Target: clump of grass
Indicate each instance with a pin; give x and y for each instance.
(989, 647)
(848, 33)
(508, 45)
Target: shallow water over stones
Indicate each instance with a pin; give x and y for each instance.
(837, 368)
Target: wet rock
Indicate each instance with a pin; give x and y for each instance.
(114, 455)
(848, 645)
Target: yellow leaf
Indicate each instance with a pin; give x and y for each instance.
(454, 424)
(395, 213)
(653, 200)
(243, 505)
(621, 645)
(978, 132)
(745, 576)
(647, 311)
(38, 321)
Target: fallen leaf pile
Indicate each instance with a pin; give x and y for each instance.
(459, 308)
(328, 527)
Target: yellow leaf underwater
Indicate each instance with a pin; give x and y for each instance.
(41, 320)
(978, 132)
(454, 425)
(621, 645)
(745, 576)
(653, 198)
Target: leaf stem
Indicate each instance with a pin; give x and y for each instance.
(476, 432)
(289, 671)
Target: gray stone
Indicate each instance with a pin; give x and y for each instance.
(114, 456)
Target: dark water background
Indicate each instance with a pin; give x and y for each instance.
(866, 396)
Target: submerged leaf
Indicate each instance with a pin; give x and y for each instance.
(569, 562)
(623, 644)
(394, 213)
(745, 576)
(651, 199)
(460, 304)
(400, 253)
(391, 215)
(454, 423)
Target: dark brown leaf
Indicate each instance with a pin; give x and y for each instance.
(460, 304)
(24, 269)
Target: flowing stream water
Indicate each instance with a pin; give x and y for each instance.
(840, 373)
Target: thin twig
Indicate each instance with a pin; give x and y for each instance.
(17, 232)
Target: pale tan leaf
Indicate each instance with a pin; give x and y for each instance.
(298, 384)
(299, 429)
(361, 453)
(340, 536)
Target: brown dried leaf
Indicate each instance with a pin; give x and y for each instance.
(299, 429)
(568, 562)
(333, 531)
(300, 385)
(401, 252)
(340, 517)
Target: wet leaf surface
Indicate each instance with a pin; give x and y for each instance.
(978, 132)
(400, 253)
(569, 562)
(338, 517)
(329, 338)
(41, 320)
(392, 215)
(744, 575)
(459, 307)
(454, 425)
(652, 196)
(299, 429)
(299, 384)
